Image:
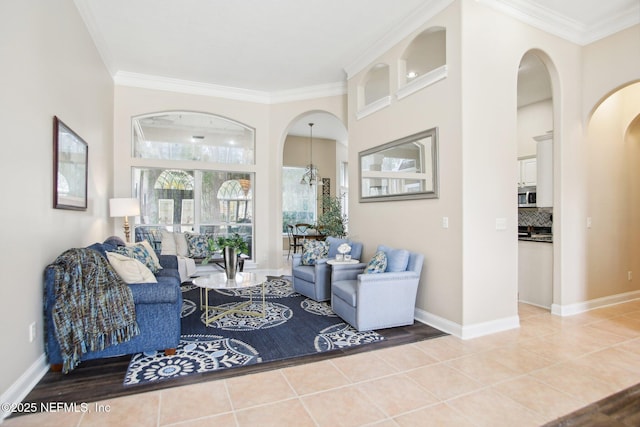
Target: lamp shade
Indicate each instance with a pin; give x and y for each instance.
(124, 207)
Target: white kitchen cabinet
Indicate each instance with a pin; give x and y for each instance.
(544, 150)
(528, 172)
(535, 273)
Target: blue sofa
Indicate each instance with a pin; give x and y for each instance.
(314, 281)
(158, 308)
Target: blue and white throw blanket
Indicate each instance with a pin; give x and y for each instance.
(93, 307)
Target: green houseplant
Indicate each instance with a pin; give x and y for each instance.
(231, 246)
(332, 222)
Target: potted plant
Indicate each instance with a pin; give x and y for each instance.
(231, 246)
(332, 222)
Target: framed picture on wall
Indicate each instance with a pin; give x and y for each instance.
(70, 168)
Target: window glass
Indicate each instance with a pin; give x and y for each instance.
(299, 201)
(215, 202)
(192, 136)
(203, 199)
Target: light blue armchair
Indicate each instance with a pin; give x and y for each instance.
(314, 281)
(369, 301)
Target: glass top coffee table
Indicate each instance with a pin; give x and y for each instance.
(243, 280)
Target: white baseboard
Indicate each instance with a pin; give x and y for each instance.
(438, 322)
(470, 331)
(581, 307)
(27, 381)
(490, 327)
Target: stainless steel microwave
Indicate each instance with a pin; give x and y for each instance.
(527, 197)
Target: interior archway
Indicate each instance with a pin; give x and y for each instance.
(535, 123)
(324, 145)
(613, 202)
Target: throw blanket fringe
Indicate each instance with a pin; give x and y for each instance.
(93, 307)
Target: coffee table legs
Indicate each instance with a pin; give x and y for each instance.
(236, 308)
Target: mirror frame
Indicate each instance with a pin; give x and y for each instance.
(423, 177)
(78, 158)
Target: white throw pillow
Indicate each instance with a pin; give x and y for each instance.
(182, 247)
(130, 270)
(168, 243)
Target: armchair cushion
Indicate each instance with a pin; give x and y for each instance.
(345, 290)
(378, 263)
(397, 259)
(314, 250)
(334, 243)
(306, 272)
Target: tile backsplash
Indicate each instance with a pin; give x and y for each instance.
(535, 217)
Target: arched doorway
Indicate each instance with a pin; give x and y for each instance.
(535, 123)
(323, 145)
(613, 196)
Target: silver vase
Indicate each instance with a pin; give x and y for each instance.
(230, 262)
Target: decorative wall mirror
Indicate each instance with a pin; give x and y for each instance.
(399, 170)
(70, 157)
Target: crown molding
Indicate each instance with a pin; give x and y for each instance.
(424, 13)
(546, 20)
(146, 81)
(309, 92)
(614, 24)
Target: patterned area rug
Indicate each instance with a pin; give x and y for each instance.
(293, 326)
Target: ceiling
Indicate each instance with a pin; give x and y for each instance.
(267, 47)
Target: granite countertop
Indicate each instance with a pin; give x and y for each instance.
(535, 234)
(544, 238)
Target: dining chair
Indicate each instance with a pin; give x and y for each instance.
(292, 240)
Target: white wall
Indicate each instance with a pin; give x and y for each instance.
(489, 87)
(609, 64)
(470, 277)
(416, 224)
(49, 67)
(533, 120)
(614, 172)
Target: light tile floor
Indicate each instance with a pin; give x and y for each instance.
(549, 367)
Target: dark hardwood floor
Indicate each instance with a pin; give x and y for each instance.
(618, 410)
(102, 379)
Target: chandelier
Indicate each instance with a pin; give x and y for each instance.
(311, 176)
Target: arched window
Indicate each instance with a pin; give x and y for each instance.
(208, 198)
(193, 136)
(174, 180)
(234, 198)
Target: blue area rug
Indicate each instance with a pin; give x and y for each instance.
(293, 326)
